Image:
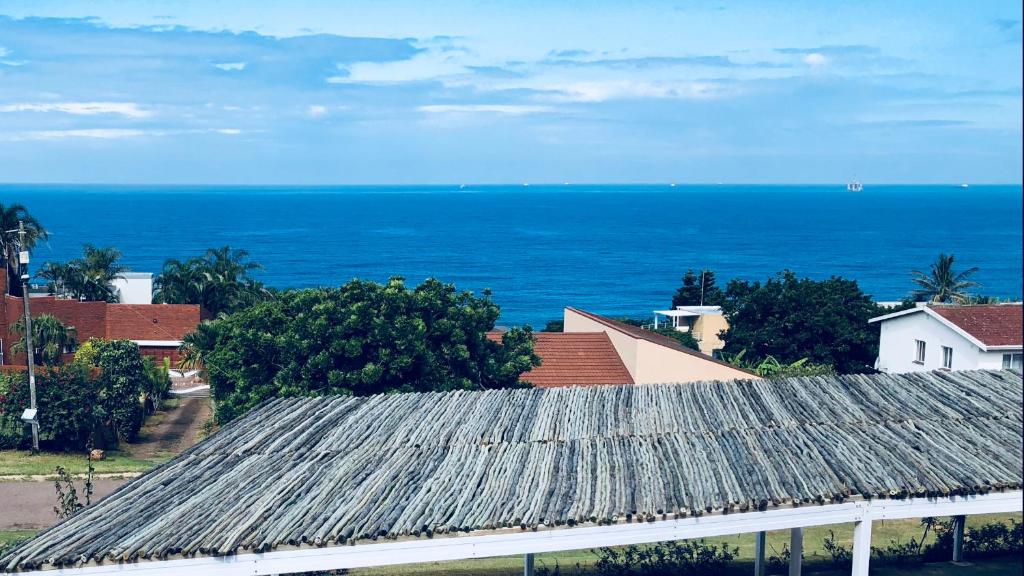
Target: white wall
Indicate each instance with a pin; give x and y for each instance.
(134, 288)
(897, 347)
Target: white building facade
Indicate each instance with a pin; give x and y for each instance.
(134, 287)
(950, 338)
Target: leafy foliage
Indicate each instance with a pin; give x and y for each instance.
(942, 283)
(554, 326)
(790, 319)
(684, 338)
(10, 216)
(68, 502)
(50, 338)
(684, 557)
(68, 401)
(218, 281)
(121, 380)
(698, 290)
(362, 338)
(769, 367)
(841, 555)
(87, 278)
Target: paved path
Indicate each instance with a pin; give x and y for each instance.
(29, 505)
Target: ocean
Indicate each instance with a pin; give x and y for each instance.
(611, 249)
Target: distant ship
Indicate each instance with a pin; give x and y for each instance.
(963, 185)
(855, 186)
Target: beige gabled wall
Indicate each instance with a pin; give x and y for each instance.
(650, 363)
(657, 363)
(624, 344)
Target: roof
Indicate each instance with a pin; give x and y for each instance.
(151, 321)
(986, 325)
(574, 359)
(993, 324)
(327, 471)
(653, 337)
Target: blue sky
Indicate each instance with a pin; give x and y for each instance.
(473, 92)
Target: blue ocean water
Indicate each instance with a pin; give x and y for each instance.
(611, 249)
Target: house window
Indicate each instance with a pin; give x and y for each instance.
(1013, 361)
(947, 357)
(919, 355)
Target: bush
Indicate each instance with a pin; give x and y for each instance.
(67, 399)
(122, 378)
(158, 382)
(685, 557)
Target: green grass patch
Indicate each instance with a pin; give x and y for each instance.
(11, 538)
(23, 463)
(816, 559)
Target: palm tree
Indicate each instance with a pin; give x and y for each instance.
(218, 281)
(10, 216)
(50, 338)
(944, 284)
(196, 344)
(179, 283)
(62, 278)
(97, 269)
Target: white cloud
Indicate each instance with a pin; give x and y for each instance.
(815, 59)
(231, 66)
(98, 133)
(127, 109)
(229, 131)
(316, 111)
(619, 90)
(501, 109)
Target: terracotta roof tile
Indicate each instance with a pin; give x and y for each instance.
(993, 324)
(151, 321)
(574, 359)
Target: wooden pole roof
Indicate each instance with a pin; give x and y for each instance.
(309, 472)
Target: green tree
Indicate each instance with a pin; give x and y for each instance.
(361, 338)
(219, 281)
(790, 319)
(122, 382)
(87, 278)
(684, 338)
(698, 290)
(10, 216)
(554, 326)
(50, 338)
(943, 283)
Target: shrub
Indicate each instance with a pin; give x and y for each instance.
(67, 399)
(158, 382)
(685, 557)
(122, 377)
(841, 555)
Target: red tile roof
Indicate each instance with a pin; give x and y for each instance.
(574, 359)
(151, 321)
(654, 337)
(992, 324)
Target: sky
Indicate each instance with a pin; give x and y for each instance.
(403, 92)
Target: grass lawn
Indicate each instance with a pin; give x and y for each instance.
(11, 537)
(23, 463)
(815, 557)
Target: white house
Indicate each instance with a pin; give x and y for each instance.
(950, 337)
(134, 287)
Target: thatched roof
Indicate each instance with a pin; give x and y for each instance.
(333, 470)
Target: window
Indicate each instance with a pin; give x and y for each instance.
(919, 356)
(947, 357)
(1012, 361)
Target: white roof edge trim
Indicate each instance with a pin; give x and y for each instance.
(927, 310)
(174, 343)
(445, 548)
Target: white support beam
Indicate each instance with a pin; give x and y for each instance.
(796, 551)
(759, 542)
(528, 565)
(958, 538)
(861, 547)
(517, 542)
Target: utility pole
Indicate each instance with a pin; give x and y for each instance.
(23, 266)
(702, 287)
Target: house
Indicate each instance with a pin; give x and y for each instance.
(950, 337)
(650, 357)
(704, 323)
(157, 328)
(574, 359)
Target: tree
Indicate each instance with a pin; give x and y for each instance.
(698, 290)
(361, 338)
(554, 326)
(684, 338)
(87, 278)
(10, 245)
(50, 338)
(218, 281)
(790, 319)
(943, 283)
(122, 381)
